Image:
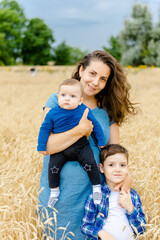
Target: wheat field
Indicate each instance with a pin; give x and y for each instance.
(22, 96)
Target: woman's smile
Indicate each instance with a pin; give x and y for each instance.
(91, 87)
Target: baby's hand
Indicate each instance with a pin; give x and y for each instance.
(43, 152)
(125, 201)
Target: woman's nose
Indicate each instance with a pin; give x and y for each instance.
(95, 81)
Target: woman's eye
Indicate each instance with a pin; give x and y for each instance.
(110, 165)
(92, 73)
(104, 79)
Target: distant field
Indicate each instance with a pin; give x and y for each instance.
(22, 96)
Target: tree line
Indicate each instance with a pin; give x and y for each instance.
(31, 41)
(138, 43)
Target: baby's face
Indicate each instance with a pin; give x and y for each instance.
(69, 97)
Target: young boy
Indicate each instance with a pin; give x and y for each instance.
(65, 116)
(119, 216)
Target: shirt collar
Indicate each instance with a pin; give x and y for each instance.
(105, 188)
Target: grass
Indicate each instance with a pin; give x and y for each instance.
(22, 96)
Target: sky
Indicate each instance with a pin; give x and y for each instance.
(86, 24)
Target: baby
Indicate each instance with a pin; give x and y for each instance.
(65, 116)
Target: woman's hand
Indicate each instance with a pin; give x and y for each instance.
(125, 185)
(60, 141)
(105, 236)
(85, 125)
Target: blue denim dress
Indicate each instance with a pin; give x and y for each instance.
(75, 187)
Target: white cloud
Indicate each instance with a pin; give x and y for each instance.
(71, 13)
(104, 5)
(84, 23)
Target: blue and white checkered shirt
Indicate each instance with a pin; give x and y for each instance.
(95, 215)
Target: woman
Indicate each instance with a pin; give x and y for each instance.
(106, 93)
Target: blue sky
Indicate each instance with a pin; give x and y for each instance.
(87, 24)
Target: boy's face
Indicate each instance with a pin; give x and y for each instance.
(115, 169)
(69, 97)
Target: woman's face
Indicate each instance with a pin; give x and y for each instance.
(94, 77)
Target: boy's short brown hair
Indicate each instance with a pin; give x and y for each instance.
(72, 82)
(112, 149)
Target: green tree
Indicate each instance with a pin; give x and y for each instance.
(37, 43)
(139, 40)
(67, 55)
(76, 54)
(12, 23)
(153, 56)
(62, 54)
(5, 54)
(114, 48)
(135, 36)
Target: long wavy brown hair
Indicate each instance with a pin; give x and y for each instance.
(115, 96)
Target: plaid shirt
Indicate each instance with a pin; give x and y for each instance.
(95, 215)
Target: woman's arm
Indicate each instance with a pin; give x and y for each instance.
(114, 134)
(59, 142)
(46, 110)
(114, 139)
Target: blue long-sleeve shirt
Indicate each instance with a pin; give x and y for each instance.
(95, 215)
(60, 120)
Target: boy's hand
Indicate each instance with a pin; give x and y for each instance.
(43, 152)
(125, 201)
(105, 236)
